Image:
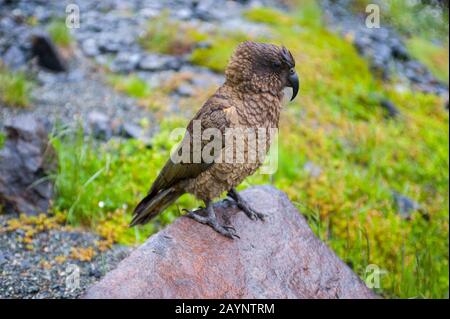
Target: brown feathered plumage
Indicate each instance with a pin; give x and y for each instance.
(250, 98)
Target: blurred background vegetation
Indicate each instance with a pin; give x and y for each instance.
(362, 158)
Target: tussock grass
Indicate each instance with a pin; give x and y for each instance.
(60, 33)
(132, 85)
(14, 88)
(2, 140)
(165, 35)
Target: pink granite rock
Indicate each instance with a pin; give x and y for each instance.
(278, 258)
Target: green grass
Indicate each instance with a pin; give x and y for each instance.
(15, 88)
(101, 184)
(2, 140)
(60, 33)
(338, 124)
(435, 57)
(164, 35)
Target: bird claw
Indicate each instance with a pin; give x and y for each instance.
(242, 205)
(225, 230)
(229, 202)
(254, 215)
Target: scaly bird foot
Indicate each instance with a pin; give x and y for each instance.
(245, 207)
(211, 220)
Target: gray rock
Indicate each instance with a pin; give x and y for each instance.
(406, 206)
(390, 107)
(157, 62)
(131, 130)
(125, 62)
(185, 90)
(89, 47)
(100, 125)
(312, 169)
(190, 260)
(107, 43)
(26, 161)
(14, 58)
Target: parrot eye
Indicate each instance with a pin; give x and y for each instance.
(276, 64)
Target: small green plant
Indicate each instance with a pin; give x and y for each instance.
(131, 85)
(14, 88)
(60, 33)
(167, 36)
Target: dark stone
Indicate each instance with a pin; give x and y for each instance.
(125, 62)
(130, 130)
(100, 125)
(278, 258)
(390, 108)
(156, 62)
(46, 53)
(406, 206)
(94, 272)
(108, 44)
(26, 161)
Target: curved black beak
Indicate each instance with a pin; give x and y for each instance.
(293, 82)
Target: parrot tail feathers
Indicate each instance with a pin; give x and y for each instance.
(153, 204)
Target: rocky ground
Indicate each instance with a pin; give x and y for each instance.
(383, 47)
(60, 263)
(108, 40)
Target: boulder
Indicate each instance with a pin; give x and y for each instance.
(26, 161)
(278, 258)
(46, 53)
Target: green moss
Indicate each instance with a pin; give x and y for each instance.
(433, 56)
(60, 33)
(343, 130)
(268, 16)
(14, 88)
